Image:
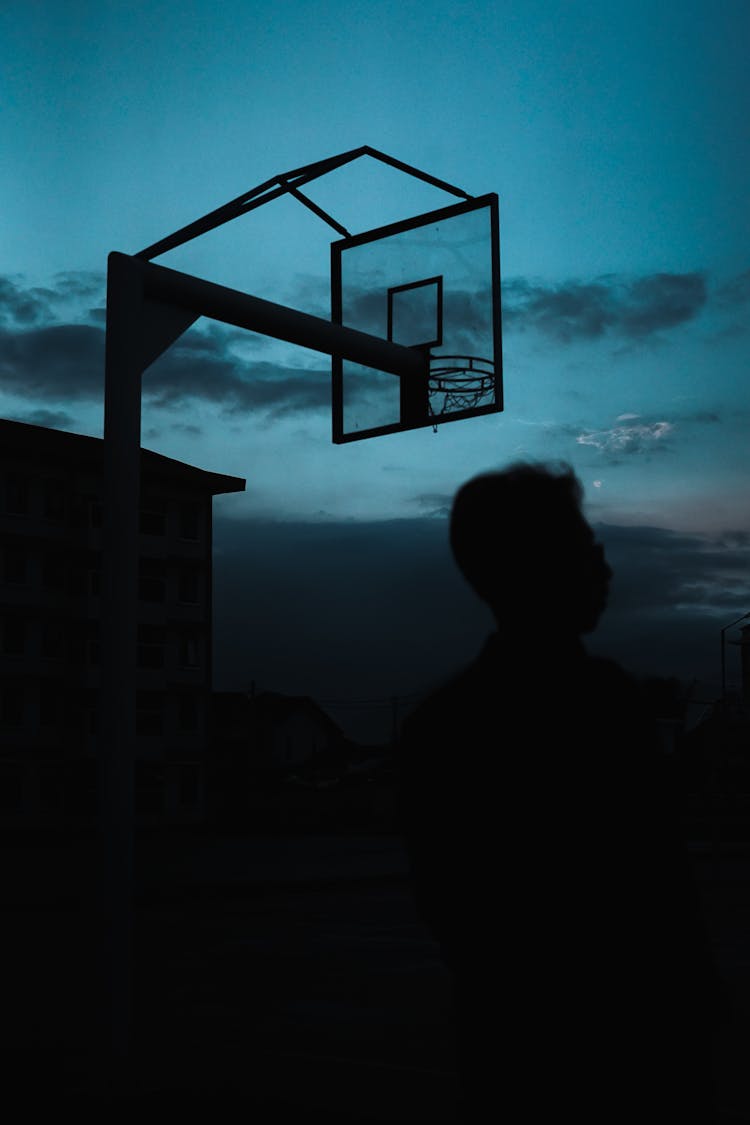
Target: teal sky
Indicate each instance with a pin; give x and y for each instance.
(617, 137)
(616, 134)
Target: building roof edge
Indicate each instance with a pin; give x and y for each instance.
(27, 437)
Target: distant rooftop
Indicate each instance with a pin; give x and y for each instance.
(233, 706)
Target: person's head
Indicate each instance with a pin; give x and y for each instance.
(520, 539)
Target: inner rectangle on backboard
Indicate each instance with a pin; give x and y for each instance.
(415, 313)
(432, 282)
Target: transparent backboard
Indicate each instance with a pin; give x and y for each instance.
(431, 283)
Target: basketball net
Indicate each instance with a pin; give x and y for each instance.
(459, 382)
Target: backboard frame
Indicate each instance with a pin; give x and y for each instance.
(410, 420)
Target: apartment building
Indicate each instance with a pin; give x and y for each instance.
(51, 496)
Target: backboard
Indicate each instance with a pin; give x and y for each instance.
(431, 283)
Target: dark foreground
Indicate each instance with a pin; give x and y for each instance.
(288, 977)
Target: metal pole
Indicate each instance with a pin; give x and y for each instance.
(148, 307)
(714, 774)
(723, 671)
(723, 656)
(206, 298)
(116, 730)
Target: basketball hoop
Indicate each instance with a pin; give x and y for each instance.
(463, 381)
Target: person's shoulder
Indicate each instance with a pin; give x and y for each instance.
(452, 702)
(609, 674)
(618, 696)
(440, 702)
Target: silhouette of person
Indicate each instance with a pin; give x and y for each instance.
(545, 846)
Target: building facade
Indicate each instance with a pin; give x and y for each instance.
(51, 515)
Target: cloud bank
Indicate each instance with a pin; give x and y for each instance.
(52, 340)
(628, 309)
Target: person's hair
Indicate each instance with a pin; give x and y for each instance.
(507, 525)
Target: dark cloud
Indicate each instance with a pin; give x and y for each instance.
(739, 540)
(23, 306)
(44, 352)
(310, 293)
(703, 417)
(671, 596)
(365, 610)
(61, 361)
(732, 299)
(660, 301)
(735, 292)
(81, 285)
(155, 433)
(467, 316)
(682, 570)
(53, 419)
(57, 362)
(185, 374)
(630, 310)
(213, 338)
(367, 310)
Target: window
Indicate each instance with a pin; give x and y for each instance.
(149, 724)
(153, 520)
(188, 652)
(77, 642)
(189, 785)
(15, 565)
(52, 792)
(17, 494)
(54, 573)
(53, 640)
(14, 636)
(187, 713)
(78, 581)
(49, 705)
(151, 642)
(12, 705)
(190, 521)
(152, 582)
(11, 787)
(189, 587)
(149, 790)
(151, 588)
(92, 717)
(96, 515)
(74, 716)
(54, 498)
(79, 512)
(149, 719)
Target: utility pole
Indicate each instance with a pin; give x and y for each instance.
(723, 658)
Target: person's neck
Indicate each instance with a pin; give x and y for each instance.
(531, 632)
